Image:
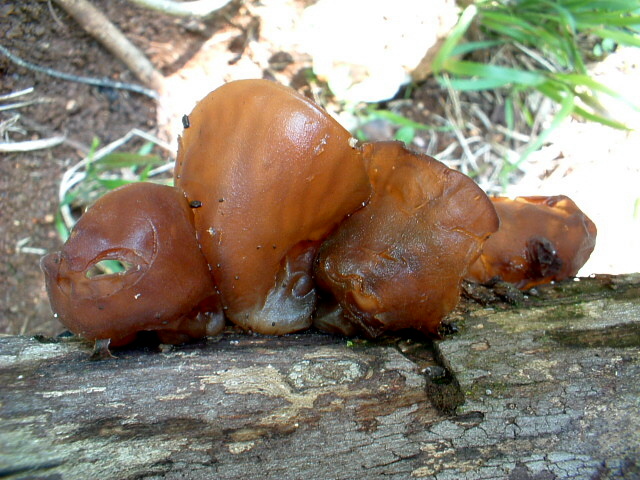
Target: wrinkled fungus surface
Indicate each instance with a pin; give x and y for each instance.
(274, 174)
(148, 229)
(398, 262)
(541, 239)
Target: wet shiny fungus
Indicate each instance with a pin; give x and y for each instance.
(293, 220)
(541, 239)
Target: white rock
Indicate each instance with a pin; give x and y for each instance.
(367, 49)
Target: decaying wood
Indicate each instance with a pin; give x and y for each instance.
(545, 390)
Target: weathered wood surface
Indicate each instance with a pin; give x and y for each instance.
(550, 389)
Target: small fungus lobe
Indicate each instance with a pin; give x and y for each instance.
(541, 239)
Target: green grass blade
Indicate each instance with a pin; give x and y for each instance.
(112, 184)
(553, 93)
(61, 228)
(509, 113)
(568, 20)
(587, 21)
(454, 38)
(123, 160)
(402, 121)
(618, 36)
(506, 74)
(469, 47)
(466, 84)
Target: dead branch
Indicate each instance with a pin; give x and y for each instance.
(30, 145)
(98, 82)
(99, 26)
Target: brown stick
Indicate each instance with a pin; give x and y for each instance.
(99, 26)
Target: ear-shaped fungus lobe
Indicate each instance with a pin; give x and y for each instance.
(274, 174)
(149, 229)
(541, 239)
(398, 262)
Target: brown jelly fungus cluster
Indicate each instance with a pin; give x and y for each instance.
(280, 220)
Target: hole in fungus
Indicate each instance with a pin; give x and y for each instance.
(109, 267)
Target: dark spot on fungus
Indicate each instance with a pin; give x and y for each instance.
(185, 121)
(541, 239)
(195, 203)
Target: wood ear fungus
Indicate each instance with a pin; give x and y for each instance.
(541, 239)
(148, 229)
(275, 175)
(273, 202)
(399, 261)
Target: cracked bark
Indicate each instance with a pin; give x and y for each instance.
(545, 390)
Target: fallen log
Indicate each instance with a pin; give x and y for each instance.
(547, 389)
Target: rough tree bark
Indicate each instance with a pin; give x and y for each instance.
(545, 390)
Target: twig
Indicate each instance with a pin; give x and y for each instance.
(19, 93)
(10, 123)
(55, 16)
(513, 134)
(197, 8)
(96, 24)
(97, 82)
(30, 145)
(26, 103)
